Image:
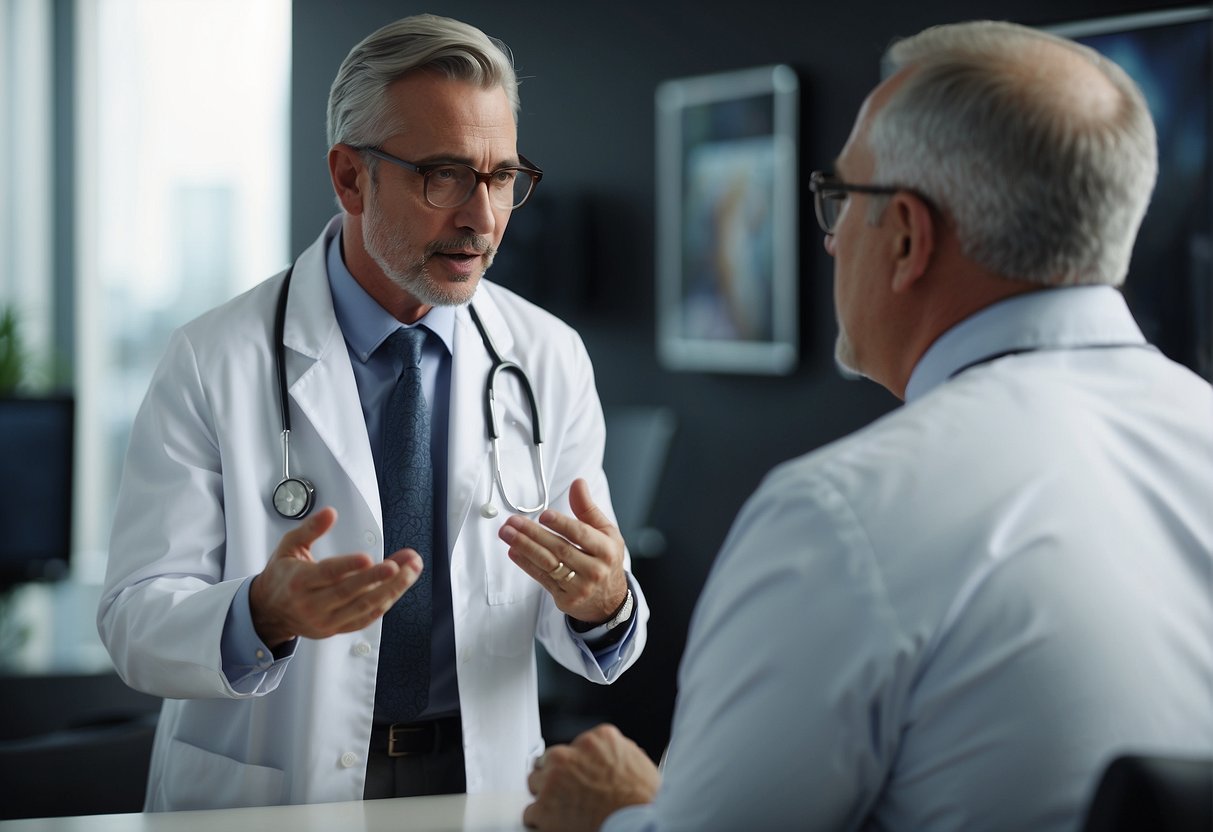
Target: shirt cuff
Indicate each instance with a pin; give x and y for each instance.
(244, 656)
(606, 645)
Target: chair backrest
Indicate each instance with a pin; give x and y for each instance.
(637, 444)
(1162, 794)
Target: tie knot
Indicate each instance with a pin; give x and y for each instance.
(405, 344)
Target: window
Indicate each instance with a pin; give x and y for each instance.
(181, 146)
(26, 174)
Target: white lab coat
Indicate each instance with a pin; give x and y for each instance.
(194, 519)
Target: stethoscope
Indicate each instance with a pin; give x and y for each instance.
(295, 496)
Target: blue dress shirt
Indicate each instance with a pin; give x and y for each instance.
(366, 325)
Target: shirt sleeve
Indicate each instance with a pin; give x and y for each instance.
(246, 659)
(780, 721)
(606, 646)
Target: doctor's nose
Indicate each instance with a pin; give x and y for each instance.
(478, 214)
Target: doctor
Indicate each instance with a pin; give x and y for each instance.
(261, 620)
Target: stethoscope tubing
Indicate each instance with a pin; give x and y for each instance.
(298, 494)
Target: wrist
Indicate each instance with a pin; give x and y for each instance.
(621, 615)
(273, 635)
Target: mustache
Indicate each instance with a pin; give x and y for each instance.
(471, 242)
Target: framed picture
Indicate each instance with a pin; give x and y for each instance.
(727, 248)
(1170, 281)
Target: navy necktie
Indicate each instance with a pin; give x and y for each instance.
(406, 493)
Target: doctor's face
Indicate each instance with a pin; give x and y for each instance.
(438, 255)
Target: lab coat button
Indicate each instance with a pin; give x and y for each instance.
(369, 537)
(349, 759)
(362, 649)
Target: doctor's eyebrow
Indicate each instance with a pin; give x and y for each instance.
(512, 162)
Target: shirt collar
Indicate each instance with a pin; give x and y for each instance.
(1074, 316)
(364, 323)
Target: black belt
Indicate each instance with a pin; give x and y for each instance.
(401, 739)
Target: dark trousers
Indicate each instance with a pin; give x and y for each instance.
(414, 759)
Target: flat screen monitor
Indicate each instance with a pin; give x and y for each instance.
(36, 445)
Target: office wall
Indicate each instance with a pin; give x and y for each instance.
(589, 72)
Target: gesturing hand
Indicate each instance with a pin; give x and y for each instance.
(580, 561)
(295, 595)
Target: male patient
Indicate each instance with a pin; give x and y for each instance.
(956, 617)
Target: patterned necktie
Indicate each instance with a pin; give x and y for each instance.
(406, 489)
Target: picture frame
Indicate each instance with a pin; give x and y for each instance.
(1169, 286)
(727, 204)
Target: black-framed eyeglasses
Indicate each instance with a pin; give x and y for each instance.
(830, 196)
(450, 184)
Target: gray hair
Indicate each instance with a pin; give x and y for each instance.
(1035, 193)
(358, 109)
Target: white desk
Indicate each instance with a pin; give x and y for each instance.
(447, 813)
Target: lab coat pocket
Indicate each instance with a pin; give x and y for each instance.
(199, 779)
(511, 605)
(511, 628)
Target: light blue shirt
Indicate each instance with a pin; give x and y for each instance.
(954, 618)
(366, 325)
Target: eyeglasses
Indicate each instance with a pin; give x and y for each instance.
(450, 184)
(830, 196)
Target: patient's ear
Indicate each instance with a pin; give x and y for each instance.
(916, 230)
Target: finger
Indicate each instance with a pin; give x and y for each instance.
(409, 559)
(591, 530)
(534, 780)
(365, 602)
(546, 560)
(395, 575)
(530, 816)
(338, 567)
(585, 509)
(298, 541)
(535, 543)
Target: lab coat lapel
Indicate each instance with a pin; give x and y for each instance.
(319, 376)
(470, 478)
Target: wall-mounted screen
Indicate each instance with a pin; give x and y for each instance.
(727, 249)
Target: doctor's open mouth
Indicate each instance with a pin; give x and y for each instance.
(462, 258)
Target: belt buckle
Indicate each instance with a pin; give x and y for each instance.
(398, 730)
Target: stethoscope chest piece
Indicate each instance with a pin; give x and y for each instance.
(294, 497)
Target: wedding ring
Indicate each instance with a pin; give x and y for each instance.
(556, 571)
(568, 577)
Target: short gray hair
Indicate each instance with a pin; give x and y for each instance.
(1034, 193)
(358, 111)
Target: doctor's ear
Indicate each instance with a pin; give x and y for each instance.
(350, 176)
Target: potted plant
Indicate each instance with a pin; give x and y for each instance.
(12, 351)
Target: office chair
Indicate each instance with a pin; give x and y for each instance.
(1162, 794)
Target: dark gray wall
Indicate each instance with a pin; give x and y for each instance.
(590, 70)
